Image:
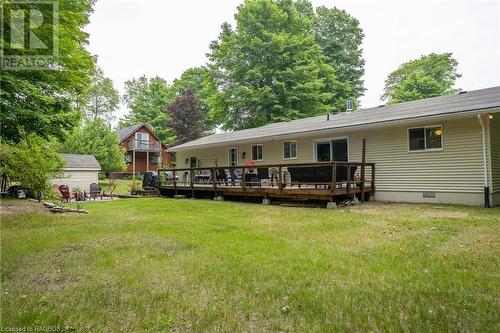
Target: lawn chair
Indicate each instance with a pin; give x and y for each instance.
(95, 191)
(65, 193)
(221, 175)
(110, 193)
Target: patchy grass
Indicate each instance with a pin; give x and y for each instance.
(193, 265)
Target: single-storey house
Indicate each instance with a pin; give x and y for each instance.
(79, 171)
(441, 150)
(144, 150)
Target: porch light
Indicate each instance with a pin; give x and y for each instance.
(243, 155)
(490, 116)
(187, 161)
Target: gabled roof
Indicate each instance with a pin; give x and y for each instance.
(81, 162)
(124, 133)
(462, 103)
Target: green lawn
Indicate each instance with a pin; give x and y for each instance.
(160, 264)
(122, 185)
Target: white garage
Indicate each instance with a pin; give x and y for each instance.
(80, 171)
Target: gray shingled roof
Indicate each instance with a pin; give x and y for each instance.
(123, 133)
(77, 161)
(483, 99)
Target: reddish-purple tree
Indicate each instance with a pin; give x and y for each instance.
(185, 118)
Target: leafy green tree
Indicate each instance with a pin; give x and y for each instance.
(428, 76)
(340, 37)
(102, 98)
(33, 161)
(185, 118)
(200, 81)
(270, 67)
(96, 138)
(45, 101)
(147, 99)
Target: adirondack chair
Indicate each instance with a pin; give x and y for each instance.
(109, 193)
(95, 191)
(65, 193)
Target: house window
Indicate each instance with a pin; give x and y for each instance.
(154, 159)
(425, 138)
(257, 153)
(289, 150)
(128, 158)
(141, 140)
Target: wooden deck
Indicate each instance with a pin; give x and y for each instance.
(329, 181)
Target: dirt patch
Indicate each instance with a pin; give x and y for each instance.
(440, 214)
(17, 207)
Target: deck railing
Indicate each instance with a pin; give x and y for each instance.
(144, 145)
(333, 176)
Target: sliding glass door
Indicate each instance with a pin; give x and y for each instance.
(331, 150)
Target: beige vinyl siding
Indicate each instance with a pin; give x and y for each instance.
(495, 152)
(456, 168)
(77, 178)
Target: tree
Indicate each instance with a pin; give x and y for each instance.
(340, 37)
(146, 99)
(270, 67)
(428, 76)
(185, 118)
(45, 101)
(102, 98)
(33, 161)
(96, 138)
(200, 81)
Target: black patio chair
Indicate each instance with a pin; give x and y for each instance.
(95, 191)
(221, 175)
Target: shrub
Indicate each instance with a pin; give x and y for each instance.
(33, 162)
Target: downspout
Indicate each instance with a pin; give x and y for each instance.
(485, 163)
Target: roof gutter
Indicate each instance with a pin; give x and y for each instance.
(485, 163)
(367, 125)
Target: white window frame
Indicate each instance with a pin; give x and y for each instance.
(139, 143)
(324, 140)
(229, 156)
(425, 139)
(296, 148)
(261, 152)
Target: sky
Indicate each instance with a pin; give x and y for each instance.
(164, 38)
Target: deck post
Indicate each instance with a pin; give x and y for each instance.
(191, 176)
(243, 184)
(133, 164)
(373, 179)
(348, 178)
(363, 161)
(175, 182)
(280, 178)
(214, 180)
(147, 160)
(334, 179)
